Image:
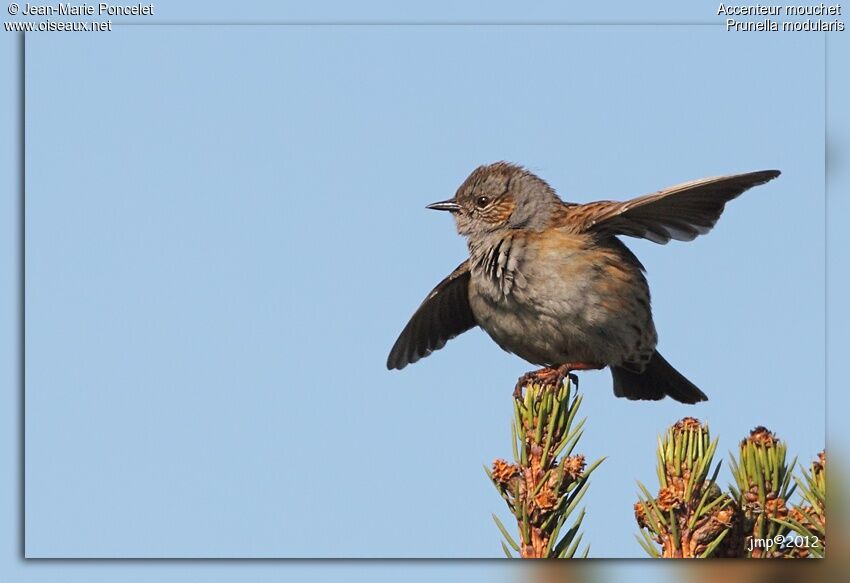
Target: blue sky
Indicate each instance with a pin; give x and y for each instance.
(225, 233)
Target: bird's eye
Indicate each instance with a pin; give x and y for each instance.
(482, 201)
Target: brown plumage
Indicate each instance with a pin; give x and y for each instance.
(551, 282)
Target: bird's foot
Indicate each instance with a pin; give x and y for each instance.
(546, 376)
(529, 378)
(553, 376)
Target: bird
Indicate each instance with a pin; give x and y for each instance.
(551, 281)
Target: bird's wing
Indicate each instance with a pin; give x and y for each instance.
(444, 314)
(680, 212)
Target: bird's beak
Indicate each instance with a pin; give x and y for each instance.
(446, 205)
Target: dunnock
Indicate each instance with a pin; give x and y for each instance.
(550, 281)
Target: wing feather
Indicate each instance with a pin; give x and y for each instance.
(681, 212)
(444, 314)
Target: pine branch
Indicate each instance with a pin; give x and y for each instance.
(690, 517)
(808, 519)
(545, 483)
(762, 488)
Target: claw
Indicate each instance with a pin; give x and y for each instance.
(524, 380)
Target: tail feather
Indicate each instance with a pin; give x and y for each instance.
(659, 379)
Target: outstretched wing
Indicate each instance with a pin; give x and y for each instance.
(444, 314)
(680, 212)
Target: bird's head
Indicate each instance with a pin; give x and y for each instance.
(500, 196)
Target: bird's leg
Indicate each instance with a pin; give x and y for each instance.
(565, 371)
(584, 366)
(569, 367)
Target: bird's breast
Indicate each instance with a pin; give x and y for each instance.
(516, 267)
(552, 295)
(497, 265)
